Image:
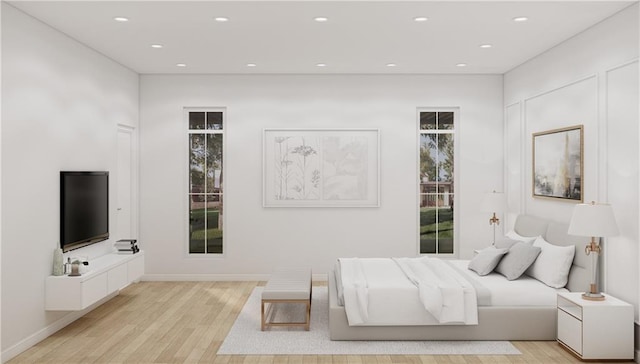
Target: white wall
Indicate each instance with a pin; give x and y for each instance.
(591, 79)
(60, 108)
(0, 195)
(257, 238)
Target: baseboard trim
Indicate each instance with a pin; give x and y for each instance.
(49, 330)
(216, 277)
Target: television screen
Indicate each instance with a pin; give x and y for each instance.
(84, 209)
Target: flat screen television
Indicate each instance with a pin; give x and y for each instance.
(84, 209)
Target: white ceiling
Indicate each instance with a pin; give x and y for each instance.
(359, 37)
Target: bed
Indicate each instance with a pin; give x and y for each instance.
(506, 321)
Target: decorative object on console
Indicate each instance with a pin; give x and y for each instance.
(67, 266)
(493, 202)
(127, 246)
(594, 220)
(83, 263)
(75, 268)
(58, 266)
(557, 163)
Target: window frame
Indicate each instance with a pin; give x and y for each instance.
(186, 209)
(456, 178)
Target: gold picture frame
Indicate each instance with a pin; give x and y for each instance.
(558, 164)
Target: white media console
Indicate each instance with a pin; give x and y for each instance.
(105, 276)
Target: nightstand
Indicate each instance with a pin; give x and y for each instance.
(595, 329)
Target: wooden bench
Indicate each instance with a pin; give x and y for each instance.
(287, 285)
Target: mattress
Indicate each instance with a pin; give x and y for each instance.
(393, 299)
(524, 291)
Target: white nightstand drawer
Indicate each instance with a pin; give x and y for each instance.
(570, 331)
(570, 307)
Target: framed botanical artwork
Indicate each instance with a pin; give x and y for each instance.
(321, 168)
(558, 164)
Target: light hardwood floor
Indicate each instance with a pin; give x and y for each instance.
(185, 322)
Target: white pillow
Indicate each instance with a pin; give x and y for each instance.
(553, 264)
(504, 243)
(486, 260)
(515, 236)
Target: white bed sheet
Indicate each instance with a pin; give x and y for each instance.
(524, 291)
(394, 300)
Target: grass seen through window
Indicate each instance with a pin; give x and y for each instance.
(436, 226)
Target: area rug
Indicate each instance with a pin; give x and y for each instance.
(245, 337)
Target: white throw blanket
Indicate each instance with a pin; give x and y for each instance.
(355, 290)
(442, 290)
(446, 294)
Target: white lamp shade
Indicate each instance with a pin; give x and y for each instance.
(593, 220)
(492, 202)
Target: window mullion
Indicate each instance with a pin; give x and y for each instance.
(206, 190)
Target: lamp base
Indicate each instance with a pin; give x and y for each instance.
(593, 296)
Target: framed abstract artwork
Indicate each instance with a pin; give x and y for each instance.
(321, 168)
(558, 164)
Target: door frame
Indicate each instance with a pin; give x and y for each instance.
(132, 131)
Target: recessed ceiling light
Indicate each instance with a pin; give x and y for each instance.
(181, 65)
(420, 18)
(321, 19)
(121, 19)
(221, 19)
(461, 65)
(157, 46)
(520, 18)
(391, 65)
(486, 46)
(321, 65)
(251, 64)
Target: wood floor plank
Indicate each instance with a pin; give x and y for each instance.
(186, 322)
(310, 359)
(281, 359)
(383, 359)
(339, 359)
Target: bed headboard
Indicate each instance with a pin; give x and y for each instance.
(556, 233)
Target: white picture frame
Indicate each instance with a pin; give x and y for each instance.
(321, 168)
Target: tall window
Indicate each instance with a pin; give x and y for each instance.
(205, 181)
(436, 182)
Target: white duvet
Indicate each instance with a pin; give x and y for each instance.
(444, 296)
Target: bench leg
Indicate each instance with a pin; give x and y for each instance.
(262, 316)
(309, 307)
(308, 315)
(266, 323)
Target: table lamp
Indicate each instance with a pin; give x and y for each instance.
(594, 220)
(493, 202)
